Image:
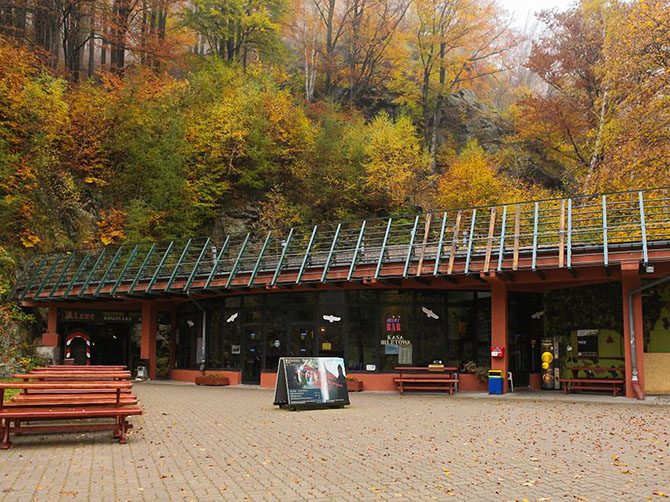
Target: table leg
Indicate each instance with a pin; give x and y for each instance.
(5, 444)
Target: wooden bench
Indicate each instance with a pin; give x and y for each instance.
(592, 381)
(426, 378)
(69, 400)
(75, 375)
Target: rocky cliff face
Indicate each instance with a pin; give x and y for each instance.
(465, 117)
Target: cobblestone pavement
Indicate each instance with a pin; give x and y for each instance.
(213, 443)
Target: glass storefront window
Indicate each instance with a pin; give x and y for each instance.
(373, 330)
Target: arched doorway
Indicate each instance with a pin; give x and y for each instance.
(78, 347)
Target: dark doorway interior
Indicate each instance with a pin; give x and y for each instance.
(253, 355)
(525, 333)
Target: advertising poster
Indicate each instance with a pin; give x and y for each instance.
(310, 382)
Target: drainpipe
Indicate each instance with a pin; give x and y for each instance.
(631, 324)
(204, 334)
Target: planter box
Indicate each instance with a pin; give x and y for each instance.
(354, 385)
(468, 382)
(207, 380)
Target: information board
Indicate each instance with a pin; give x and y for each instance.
(311, 382)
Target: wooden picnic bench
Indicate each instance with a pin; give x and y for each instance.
(75, 375)
(67, 400)
(86, 368)
(429, 378)
(592, 381)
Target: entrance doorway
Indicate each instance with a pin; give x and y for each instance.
(525, 333)
(253, 355)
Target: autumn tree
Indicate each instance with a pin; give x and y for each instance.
(569, 120)
(393, 160)
(237, 30)
(457, 42)
(636, 146)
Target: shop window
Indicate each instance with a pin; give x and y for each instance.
(397, 344)
(363, 341)
(223, 343)
(429, 333)
(460, 346)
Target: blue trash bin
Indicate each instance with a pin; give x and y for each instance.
(495, 383)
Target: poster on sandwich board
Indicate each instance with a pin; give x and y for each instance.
(311, 382)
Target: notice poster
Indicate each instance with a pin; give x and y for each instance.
(311, 382)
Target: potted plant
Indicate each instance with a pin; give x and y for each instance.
(354, 385)
(212, 379)
(473, 377)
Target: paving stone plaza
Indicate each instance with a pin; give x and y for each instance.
(214, 443)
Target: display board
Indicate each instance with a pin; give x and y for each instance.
(311, 382)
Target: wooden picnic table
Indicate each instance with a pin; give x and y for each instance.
(75, 375)
(591, 381)
(95, 367)
(426, 378)
(67, 399)
(593, 369)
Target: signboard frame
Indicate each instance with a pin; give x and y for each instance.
(311, 383)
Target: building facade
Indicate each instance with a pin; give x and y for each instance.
(583, 278)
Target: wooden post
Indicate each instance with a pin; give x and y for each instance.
(50, 337)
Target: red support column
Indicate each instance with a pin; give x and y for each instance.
(50, 336)
(173, 339)
(499, 326)
(148, 338)
(630, 281)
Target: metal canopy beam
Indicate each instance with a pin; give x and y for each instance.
(440, 245)
(326, 265)
(410, 248)
(173, 276)
(194, 272)
(54, 264)
(112, 264)
(643, 228)
(25, 291)
(76, 275)
(97, 263)
(131, 257)
(501, 249)
(233, 271)
(259, 259)
(217, 259)
(280, 263)
(306, 258)
(569, 251)
(140, 270)
(354, 258)
(62, 274)
(159, 267)
(470, 239)
(380, 261)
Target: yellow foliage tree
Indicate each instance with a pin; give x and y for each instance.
(393, 159)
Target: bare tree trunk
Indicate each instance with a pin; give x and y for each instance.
(437, 113)
(91, 40)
